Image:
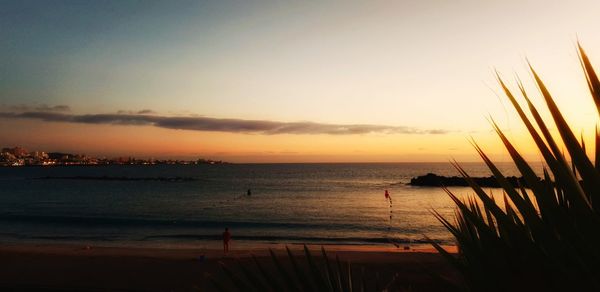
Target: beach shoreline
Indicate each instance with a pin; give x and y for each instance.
(30, 267)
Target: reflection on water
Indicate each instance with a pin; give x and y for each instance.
(313, 203)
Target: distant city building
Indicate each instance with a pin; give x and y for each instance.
(16, 151)
(18, 156)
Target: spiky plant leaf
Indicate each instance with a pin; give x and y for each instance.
(331, 275)
(590, 76)
(546, 237)
(272, 282)
(254, 280)
(287, 279)
(300, 275)
(580, 159)
(317, 276)
(240, 284)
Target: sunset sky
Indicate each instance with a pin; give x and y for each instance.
(293, 81)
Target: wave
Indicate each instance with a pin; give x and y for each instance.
(121, 178)
(72, 237)
(213, 237)
(77, 221)
(303, 239)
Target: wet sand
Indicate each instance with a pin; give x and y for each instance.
(91, 268)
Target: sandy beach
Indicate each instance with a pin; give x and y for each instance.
(91, 268)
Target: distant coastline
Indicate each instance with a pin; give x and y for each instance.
(19, 156)
(122, 178)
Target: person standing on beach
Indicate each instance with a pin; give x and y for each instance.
(226, 240)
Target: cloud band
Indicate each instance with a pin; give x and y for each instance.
(217, 125)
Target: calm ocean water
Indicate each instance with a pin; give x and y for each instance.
(290, 203)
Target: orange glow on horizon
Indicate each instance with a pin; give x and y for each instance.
(146, 142)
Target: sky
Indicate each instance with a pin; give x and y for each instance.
(286, 81)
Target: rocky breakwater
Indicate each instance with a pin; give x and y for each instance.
(434, 180)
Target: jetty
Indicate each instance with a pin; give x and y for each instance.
(434, 180)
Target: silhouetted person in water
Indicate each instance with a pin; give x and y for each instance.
(226, 240)
(249, 193)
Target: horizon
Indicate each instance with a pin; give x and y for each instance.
(194, 158)
(337, 82)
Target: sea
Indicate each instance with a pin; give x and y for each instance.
(189, 206)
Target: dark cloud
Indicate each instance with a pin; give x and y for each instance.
(40, 108)
(219, 125)
(140, 112)
(437, 131)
